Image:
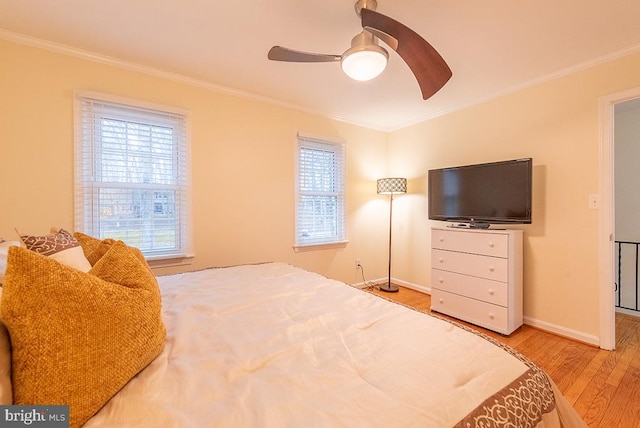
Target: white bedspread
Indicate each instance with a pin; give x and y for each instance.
(272, 345)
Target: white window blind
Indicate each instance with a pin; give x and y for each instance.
(131, 176)
(320, 213)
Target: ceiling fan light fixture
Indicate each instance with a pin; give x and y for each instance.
(364, 64)
(365, 59)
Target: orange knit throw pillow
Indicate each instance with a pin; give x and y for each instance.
(77, 338)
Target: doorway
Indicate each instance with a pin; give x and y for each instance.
(607, 247)
(626, 130)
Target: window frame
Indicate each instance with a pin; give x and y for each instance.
(339, 171)
(85, 171)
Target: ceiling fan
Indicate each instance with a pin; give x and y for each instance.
(366, 59)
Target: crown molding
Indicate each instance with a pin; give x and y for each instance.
(183, 79)
(611, 56)
(63, 49)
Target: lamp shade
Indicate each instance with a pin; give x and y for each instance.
(392, 186)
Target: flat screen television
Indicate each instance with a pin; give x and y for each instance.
(482, 194)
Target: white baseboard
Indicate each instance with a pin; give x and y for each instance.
(396, 281)
(628, 312)
(369, 282)
(420, 288)
(563, 331)
(542, 325)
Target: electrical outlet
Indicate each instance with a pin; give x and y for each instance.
(358, 265)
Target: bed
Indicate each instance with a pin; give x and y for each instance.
(273, 345)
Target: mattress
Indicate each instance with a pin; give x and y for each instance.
(272, 345)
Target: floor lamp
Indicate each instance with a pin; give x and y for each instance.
(391, 186)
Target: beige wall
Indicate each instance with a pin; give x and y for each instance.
(555, 123)
(242, 163)
(249, 146)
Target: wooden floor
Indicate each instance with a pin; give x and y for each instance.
(603, 386)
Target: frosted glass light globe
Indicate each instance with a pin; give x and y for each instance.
(364, 63)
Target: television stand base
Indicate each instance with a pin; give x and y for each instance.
(472, 225)
(479, 225)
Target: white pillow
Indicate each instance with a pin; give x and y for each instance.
(4, 250)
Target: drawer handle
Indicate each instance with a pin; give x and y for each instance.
(491, 268)
(491, 292)
(441, 239)
(441, 280)
(491, 245)
(491, 316)
(441, 260)
(441, 300)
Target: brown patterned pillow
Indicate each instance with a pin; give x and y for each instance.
(60, 246)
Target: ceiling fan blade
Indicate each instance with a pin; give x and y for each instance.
(278, 53)
(426, 64)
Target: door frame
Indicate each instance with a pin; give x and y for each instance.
(606, 227)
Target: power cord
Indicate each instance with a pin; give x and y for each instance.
(367, 285)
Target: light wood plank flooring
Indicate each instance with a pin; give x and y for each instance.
(603, 386)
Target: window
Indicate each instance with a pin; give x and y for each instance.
(320, 193)
(131, 175)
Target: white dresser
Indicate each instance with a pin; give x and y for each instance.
(476, 276)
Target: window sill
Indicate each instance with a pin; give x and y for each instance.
(315, 247)
(170, 261)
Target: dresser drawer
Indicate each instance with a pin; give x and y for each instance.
(493, 268)
(477, 288)
(487, 243)
(480, 313)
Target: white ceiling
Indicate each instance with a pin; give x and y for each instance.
(492, 46)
